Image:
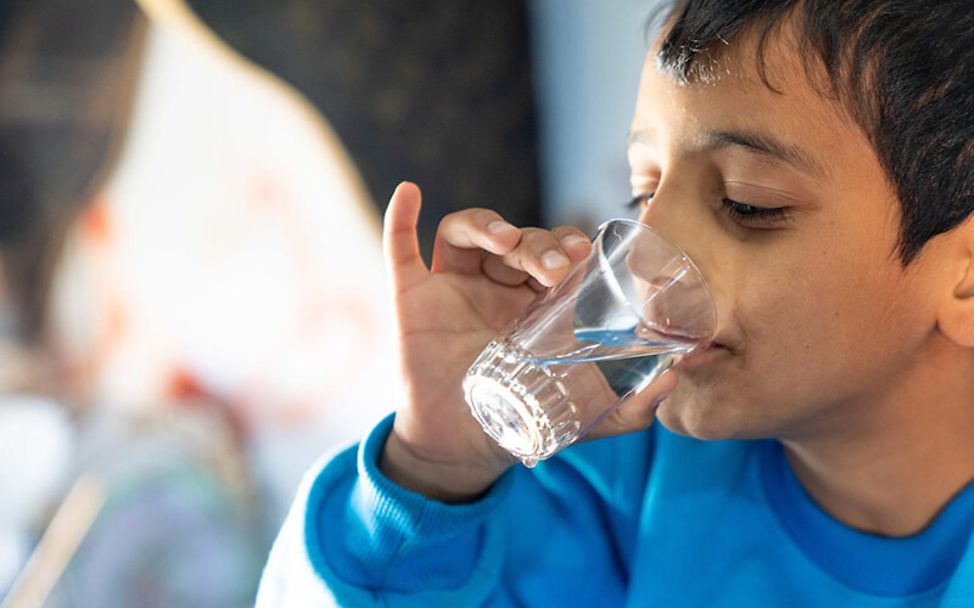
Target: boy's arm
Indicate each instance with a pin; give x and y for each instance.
(354, 538)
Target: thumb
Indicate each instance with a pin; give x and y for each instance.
(638, 411)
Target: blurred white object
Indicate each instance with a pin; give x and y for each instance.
(233, 249)
(37, 445)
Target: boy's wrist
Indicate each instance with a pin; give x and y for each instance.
(451, 483)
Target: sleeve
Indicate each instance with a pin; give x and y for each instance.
(354, 538)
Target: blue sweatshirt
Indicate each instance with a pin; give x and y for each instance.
(648, 519)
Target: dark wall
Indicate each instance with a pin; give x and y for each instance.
(434, 91)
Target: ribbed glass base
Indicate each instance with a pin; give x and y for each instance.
(522, 405)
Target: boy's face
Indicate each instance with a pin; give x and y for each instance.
(820, 321)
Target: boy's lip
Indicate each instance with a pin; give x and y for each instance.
(702, 356)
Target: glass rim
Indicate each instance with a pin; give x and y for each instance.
(682, 254)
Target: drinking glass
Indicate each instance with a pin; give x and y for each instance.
(623, 316)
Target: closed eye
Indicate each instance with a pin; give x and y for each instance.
(744, 213)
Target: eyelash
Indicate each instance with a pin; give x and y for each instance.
(740, 212)
(638, 201)
(744, 213)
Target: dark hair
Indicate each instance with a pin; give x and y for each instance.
(904, 70)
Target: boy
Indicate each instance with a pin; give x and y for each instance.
(816, 159)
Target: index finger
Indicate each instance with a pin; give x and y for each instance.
(463, 236)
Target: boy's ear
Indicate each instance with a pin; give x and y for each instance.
(965, 289)
(957, 315)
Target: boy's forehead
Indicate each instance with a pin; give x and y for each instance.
(781, 109)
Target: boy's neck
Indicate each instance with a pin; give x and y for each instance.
(893, 470)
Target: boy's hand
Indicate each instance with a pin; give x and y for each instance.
(484, 273)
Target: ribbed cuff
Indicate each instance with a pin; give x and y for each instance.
(372, 534)
(381, 502)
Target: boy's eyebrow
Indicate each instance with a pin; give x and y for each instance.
(761, 143)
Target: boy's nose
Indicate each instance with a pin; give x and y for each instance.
(668, 213)
(675, 216)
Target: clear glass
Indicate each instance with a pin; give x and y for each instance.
(624, 315)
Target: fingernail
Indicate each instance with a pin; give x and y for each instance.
(553, 259)
(572, 241)
(498, 227)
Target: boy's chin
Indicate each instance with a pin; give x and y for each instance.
(683, 415)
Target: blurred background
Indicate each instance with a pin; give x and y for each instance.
(192, 297)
